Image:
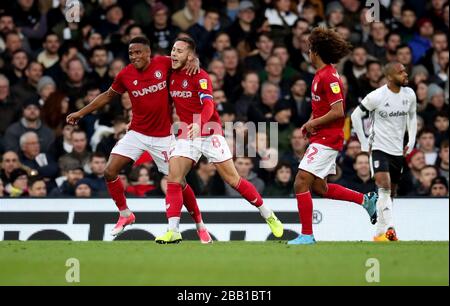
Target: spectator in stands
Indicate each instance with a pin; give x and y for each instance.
(54, 112)
(97, 176)
(75, 85)
(439, 42)
(410, 178)
(107, 143)
(221, 42)
(49, 56)
(264, 45)
(189, 15)
(37, 187)
(9, 109)
(244, 166)
(356, 66)
(352, 149)
(334, 15)
(15, 70)
(294, 41)
(217, 67)
(233, 75)
(436, 103)
(393, 40)
(99, 75)
(421, 41)
(282, 186)
(161, 32)
(7, 25)
(443, 162)
(2, 189)
(407, 25)
(143, 12)
(32, 157)
(45, 87)
(362, 180)
(141, 183)
(243, 31)
(80, 152)
(27, 88)
(441, 125)
(298, 148)
(441, 76)
(439, 187)
(283, 115)
(13, 43)
(274, 74)
(10, 162)
(204, 180)
(204, 33)
(282, 53)
(376, 45)
(111, 24)
(280, 19)
(63, 144)
(18, 186)
(300, 102)
(426, 144)
(249, 96)
(72, 173)
(83, 189)
(427, 174)
(404, 57)
(30, 121)
(264, 111)
(371, 80)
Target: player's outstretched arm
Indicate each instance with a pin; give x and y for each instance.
(357, 116)
(100, 101)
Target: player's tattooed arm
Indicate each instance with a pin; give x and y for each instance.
(193, 66)
(100, 101)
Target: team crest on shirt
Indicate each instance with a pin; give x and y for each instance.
(135, 82)
(335, 88)
(185, 84)
(203, 84)
(158, 75)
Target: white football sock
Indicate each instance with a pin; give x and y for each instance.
(125, 213)
(384, 210)
(265, 211)
(174, 224)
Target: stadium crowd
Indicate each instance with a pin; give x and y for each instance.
(257, 55)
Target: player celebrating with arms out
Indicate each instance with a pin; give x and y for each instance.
(201, 135)
(145, 80)
(326, 133)
(393, 111)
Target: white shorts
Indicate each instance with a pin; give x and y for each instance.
(319, 160)
(134, 144)
(214, 148)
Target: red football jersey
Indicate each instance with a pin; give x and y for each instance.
(152, 114)
(327, 90)
(189, 93)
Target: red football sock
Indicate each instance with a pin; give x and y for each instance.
(338, 192)
(305, 209)
(191, 204)
(117, 192)
(174, 200)
(249, 192)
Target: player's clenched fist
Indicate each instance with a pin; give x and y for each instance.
(73, 118)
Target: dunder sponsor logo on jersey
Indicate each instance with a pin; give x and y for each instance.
(181, 94)
(203, 84)
(149, 90)
(335, 88)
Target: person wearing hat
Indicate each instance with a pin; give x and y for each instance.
(243, 28)
(83, 189)
(73, 172)
(30, 121)
(19, 184)
(439, 187)
(160, 31)
(334, 14)
(45, 87)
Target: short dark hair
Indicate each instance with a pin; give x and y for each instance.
(403, 46)
(425, 131)
(329, 45)
(34, 179)
(97, 155)
(140, 40)
(444, 144)
(360, 154)
(189, 41)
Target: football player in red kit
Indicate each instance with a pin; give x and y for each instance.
(325, 130)
(200, 134)
(145, 80)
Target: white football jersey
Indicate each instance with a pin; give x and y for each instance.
(390, 113)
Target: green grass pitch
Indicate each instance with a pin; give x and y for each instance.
(223, 263)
